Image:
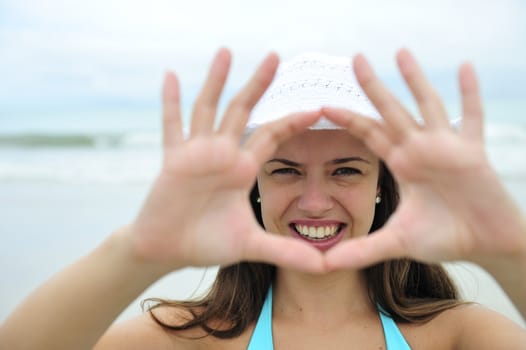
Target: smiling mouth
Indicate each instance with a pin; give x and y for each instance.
(317, 233)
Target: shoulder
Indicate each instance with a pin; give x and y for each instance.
(479, 328)
(142, 332)
(468, 326)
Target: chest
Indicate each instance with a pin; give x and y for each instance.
(363, 335)
(368, 335)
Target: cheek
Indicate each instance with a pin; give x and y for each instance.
(274, 202)
(360, 205)
(360, 208)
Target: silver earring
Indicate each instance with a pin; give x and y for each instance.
(258, 200)
(378, 199)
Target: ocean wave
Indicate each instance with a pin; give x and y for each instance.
(506, 133)
(506, 146)
(79, 140)
(134, 157)
(90, 166)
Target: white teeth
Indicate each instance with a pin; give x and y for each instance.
(319, 232)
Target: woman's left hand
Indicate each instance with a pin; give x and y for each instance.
(453, 205)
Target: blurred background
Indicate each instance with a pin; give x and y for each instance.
(79, 105)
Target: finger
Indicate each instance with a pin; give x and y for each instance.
(472, 120)
(394, 114)
(239, 109)
(429, 103)
(284, 251)
(205, 107)
(364, 251)
(370, 131)
(264, 142)
(172, 124)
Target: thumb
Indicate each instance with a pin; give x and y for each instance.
(365, 251)
(284, 251)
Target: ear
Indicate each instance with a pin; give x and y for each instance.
(256, 207)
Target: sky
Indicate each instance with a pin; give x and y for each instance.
(112, 53)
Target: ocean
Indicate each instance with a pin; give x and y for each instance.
(69, 179)
(123, 147)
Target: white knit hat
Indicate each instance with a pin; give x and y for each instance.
(307, 83)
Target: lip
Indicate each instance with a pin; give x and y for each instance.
(322, 245)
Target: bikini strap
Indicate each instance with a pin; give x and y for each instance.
(393, 337)
(262, 336)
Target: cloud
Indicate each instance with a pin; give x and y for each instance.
(116, 48)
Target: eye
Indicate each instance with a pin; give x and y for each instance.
(285, 171)
(346, 171)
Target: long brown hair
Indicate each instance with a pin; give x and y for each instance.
(407, 290)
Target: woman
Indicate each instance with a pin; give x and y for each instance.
(321, 193)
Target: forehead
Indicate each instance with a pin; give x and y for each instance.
(323, 145)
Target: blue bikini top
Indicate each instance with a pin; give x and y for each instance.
(262, 336)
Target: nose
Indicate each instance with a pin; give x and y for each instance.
(315, 198)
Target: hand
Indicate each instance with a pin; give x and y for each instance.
(453, 205)
(198, 211)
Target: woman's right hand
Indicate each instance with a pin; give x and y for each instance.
(198, 211)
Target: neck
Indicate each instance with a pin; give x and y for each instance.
(331, 298)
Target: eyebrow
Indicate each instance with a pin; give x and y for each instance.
(284, 161)
(349, 159)
(334, 161)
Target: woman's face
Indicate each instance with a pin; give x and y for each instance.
(320, 186)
